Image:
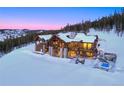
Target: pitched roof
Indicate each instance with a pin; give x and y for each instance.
(78, 37)
(46, 37)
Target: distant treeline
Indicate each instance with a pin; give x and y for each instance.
(105, 23)
(10, 44)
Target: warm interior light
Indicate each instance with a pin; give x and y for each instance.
(89, 54)
(72, 54)
(89, 45)
(85, 45)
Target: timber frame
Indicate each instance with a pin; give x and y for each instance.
(57, 47)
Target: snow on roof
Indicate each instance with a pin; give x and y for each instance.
(78, 37)
(46, 37)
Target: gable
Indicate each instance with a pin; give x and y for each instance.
(56, 41)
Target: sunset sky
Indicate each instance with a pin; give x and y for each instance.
(49, 18)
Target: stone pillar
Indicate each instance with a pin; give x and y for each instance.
(61, 52)
(51, 51)
(65, 52)
(43, 49)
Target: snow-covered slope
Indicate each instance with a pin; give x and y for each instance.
(23, 67)
(6, 34)
(110, 42)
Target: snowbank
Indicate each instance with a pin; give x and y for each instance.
(24, 67)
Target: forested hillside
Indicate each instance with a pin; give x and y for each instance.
(106, 23)
(11, 40)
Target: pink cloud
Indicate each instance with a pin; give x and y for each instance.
(29, 26)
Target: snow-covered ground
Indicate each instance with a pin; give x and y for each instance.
(23, 67)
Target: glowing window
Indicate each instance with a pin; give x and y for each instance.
(72, 54)
(89, 46)
(89, 54)
(85, 45)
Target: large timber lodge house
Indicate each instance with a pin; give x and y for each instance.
(67, 45)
